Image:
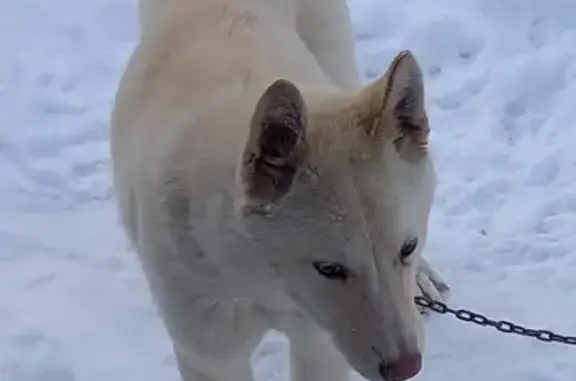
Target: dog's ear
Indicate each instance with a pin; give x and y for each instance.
(393, 106)
(276, 144)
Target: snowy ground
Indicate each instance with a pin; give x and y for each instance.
(501, 92)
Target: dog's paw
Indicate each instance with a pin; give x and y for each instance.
(430, 285)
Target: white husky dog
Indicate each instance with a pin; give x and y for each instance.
(263, 187)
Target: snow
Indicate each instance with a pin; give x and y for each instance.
(501, 85)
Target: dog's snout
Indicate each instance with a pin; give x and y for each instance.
(402, 368)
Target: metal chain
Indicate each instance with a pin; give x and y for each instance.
(500, 325)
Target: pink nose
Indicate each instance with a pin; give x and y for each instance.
(403, 368)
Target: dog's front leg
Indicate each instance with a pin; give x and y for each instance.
(193, 367)
(430, 284)
(314, 357)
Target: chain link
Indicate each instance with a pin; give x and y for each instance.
(500, 325)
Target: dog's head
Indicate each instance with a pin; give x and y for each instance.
(342, 186)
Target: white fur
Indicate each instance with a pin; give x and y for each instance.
(223, 271)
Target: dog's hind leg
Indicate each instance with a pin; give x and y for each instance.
(326, 28)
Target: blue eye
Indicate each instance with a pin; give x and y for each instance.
(332, 270)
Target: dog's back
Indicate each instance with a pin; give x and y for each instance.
(192, 83)
(207, 62)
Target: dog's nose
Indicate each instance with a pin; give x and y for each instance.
(403, 368)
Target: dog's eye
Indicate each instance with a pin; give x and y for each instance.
(332, 270)
(407, 249)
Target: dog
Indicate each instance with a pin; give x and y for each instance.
(264, 187)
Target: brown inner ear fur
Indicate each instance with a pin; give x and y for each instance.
(393, 108)
(276, 147)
